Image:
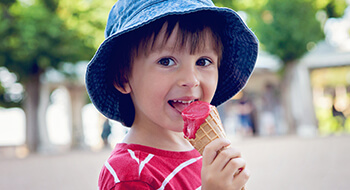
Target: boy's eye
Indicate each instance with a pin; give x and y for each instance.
(203, 62)
(166, 62)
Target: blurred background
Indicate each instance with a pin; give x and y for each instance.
(291, 121)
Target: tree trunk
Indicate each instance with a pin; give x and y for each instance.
(31, 105)
(45, 145)
(286, 97)
(301, 97)
(78, 96)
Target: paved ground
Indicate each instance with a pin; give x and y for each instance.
(288, 163)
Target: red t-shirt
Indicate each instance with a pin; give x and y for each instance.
(133, 166)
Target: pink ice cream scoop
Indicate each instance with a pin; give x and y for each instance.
(202, 124)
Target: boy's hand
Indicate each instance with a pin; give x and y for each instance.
(223, 167)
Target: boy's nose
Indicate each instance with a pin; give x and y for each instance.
(189, 78)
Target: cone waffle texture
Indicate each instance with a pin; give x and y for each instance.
(211, 129)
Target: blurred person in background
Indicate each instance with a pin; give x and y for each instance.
(245, 114)
(106, 132)
(338, 114)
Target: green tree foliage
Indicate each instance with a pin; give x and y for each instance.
(35, 38)
(41, 34)
(37, 35)
(333, 8)
(286, 28)
(87, 17)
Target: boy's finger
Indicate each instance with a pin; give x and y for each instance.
(224, 156)
(242, 178)
(211, 150)
(234, 167)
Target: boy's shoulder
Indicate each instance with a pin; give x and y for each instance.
(125, 158)
(124, 166)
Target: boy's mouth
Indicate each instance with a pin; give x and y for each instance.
(180, 105)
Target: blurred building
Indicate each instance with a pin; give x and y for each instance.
(322, 77)
(259, 100)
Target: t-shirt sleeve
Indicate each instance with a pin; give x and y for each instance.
(127, 185)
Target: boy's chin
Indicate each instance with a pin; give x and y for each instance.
(178, 126)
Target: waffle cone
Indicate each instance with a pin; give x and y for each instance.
(211, 129)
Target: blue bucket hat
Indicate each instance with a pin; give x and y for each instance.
(240, 49)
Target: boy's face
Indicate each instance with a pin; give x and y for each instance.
(163, 82)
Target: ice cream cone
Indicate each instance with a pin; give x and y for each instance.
(208, 131)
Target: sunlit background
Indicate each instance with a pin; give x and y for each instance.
(300, 87)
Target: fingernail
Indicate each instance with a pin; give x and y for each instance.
(228, 141)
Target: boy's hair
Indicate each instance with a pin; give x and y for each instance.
(193, 29)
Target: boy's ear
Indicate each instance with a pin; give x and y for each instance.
(125, 89)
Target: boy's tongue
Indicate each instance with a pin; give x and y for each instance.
(179, 106)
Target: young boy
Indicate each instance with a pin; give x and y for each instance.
(159, 56)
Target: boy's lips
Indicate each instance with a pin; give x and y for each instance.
(180, 105)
